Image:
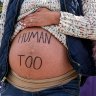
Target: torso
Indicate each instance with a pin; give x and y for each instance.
(37, 54)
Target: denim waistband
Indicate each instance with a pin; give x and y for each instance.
(38, 85)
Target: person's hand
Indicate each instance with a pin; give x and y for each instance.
(41, 17)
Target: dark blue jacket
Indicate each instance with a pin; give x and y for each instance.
(78, 49)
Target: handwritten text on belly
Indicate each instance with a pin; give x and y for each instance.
(39, 36)
(30, 62)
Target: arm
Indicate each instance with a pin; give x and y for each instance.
(3, 17)
(66, 23)
(79, 26)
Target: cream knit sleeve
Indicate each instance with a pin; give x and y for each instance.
(2, 18)
(80, 26)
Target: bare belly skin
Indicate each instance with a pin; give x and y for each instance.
(37, 54)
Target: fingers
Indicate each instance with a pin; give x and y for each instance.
(30, 22)
(28, 19)
(39, 9)
(36, 18)
(43, 9)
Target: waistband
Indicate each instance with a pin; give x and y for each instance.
(38, 85)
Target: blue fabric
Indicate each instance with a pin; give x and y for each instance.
(69, 89)
(11, 18)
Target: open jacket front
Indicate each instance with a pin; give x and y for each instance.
(82, 60)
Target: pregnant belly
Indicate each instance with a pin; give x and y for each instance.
(37, 54)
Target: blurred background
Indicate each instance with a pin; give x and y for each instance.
(88, 84)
